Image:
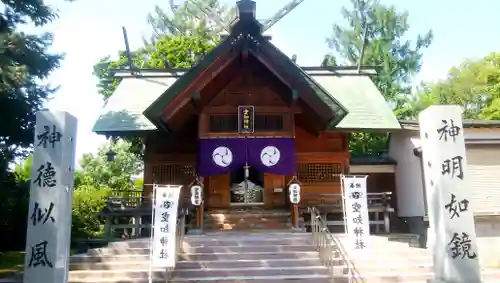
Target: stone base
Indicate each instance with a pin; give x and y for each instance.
(195, 232)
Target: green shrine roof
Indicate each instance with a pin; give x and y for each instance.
(123, 111)
(342, 100)
(367, 109)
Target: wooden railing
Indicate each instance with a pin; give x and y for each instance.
(378, 203)
(331, 252)
(128, 215)
(179, 240)
(125, 199)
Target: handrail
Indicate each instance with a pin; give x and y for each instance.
(331, 251)
(179, 240)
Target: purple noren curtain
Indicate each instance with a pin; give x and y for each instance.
(219, 156)
(270, 155)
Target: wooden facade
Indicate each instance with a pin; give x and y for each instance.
(170, 158)
(202, 103)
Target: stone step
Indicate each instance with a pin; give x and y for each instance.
(259, 279)
(196, 274)
(413, 277)
(246, 226)
(218, 264)
(84, 258)
(249, 243)
(251, 212)
(250, 263)
(206, 249)
(117, 275)
(239, 256)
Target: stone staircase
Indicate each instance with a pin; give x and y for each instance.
(246, 219)
(396, 258)
(225, 257)
(257, 257)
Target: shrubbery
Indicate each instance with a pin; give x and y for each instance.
(88, 203)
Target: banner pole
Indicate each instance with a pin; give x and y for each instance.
(345, 225)
(150, 271)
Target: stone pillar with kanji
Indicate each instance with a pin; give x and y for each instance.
(448, 191)
(49, 217)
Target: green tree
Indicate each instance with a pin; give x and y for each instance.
(98, 172)
(384, 29)
(23, 170)
(25, 64)
(474, 85)
(190, 19)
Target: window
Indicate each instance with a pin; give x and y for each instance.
(262, 123)
(310, 173)
(224, 124)
(268, 123)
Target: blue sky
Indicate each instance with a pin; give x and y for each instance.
(88, 30)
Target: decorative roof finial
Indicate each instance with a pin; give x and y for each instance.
(246, 9)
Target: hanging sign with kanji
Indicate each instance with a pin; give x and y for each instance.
(165, 207)
(246, 116)
(356, 212)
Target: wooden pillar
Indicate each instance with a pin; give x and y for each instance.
(200, 215)
(295, 216)
(107, 227)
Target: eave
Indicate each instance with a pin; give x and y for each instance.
(332, 112)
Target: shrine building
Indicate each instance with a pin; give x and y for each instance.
(246, 121)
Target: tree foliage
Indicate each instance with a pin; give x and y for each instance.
(398, 59)
(175, 51)
(180, 39)
(474, 85)
(25, 65)
(190, 19)
(98, 172)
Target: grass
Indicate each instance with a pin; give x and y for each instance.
(11, 263)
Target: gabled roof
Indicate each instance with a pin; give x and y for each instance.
(123, 111)
(366, 105)
(246, 35)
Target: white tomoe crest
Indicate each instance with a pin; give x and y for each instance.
(222, 156)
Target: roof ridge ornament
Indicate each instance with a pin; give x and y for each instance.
(246, 9)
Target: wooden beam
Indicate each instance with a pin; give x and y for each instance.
(308, 94)
(197, 84)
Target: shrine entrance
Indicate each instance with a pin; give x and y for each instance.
(246, 186)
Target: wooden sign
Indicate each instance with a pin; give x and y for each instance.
(246, 115)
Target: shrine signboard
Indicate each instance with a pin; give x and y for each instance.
(49, 217)
(246, 118)
(448, 191)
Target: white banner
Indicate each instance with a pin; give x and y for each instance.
(356, 212)
(164, 225)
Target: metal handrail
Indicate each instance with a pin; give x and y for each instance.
(331, 251)
(179, 240)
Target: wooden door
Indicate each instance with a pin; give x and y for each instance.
(274, 190)
(218, 191)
